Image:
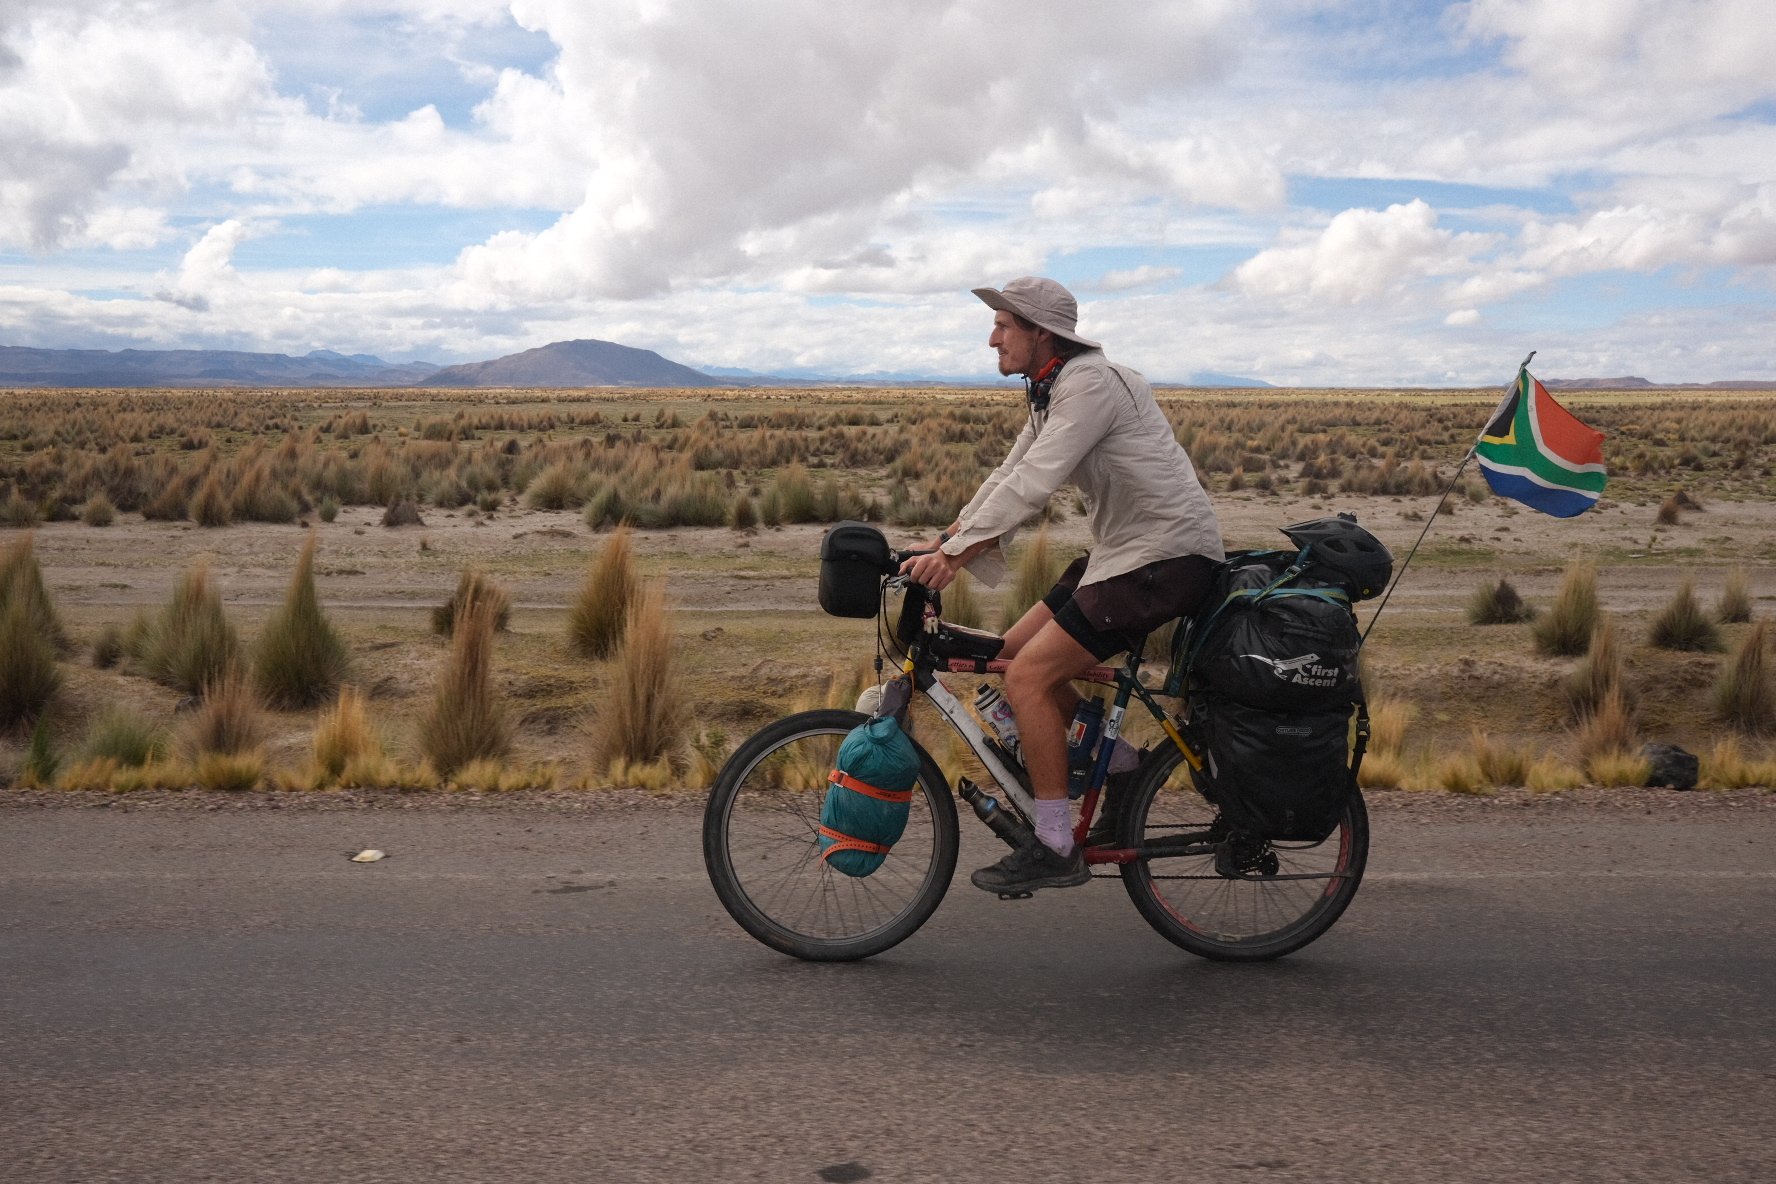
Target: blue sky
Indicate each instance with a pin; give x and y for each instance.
(1303, 191)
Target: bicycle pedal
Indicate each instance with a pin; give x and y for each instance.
(1016, 895)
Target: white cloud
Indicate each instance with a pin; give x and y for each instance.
(1361, 255)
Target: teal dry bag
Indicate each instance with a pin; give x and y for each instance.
(869, 796)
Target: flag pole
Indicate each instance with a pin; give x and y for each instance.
(1395, 583)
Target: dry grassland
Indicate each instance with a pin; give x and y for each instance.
(125, 493)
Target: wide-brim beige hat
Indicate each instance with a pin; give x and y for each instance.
(1042, 302)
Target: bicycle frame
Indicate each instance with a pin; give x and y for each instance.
(923, 670)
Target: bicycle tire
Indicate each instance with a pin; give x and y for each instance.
(1250, 918)
(763, 857)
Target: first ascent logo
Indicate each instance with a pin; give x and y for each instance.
(1304, 671)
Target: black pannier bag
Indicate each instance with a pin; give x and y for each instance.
(1283, 646)
(1285, 775)
(854, 556)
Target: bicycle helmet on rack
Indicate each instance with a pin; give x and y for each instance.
(1341, 550)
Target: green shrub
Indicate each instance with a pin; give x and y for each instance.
(607, 508)
(596, 620)
(191, 643)
(466, 722)
(1682, 625)
(328, 509)
(300, 658)
(1565, 630)
(795, 495)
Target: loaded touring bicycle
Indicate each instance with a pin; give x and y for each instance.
(1240, 836)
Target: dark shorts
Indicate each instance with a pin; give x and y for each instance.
(1116, 615)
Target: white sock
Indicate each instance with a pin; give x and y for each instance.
(1054, 825)
(1123, 757)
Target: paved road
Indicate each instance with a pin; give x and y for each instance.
(526, 994)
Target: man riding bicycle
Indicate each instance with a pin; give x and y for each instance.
(1155, 544)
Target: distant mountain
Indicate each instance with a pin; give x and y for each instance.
(575, 364)
(1215, 378)
(23, 366)
(1632, 383)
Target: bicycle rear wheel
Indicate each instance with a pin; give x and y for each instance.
(1278, 897)
(762, 850)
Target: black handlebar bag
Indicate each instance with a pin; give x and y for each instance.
(854, 556)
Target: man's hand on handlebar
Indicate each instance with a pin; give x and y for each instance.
(932, 568)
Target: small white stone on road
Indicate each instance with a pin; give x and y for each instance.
(367, 855)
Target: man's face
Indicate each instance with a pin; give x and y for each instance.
(1015, 344)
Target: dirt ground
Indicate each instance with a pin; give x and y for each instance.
(754, 645)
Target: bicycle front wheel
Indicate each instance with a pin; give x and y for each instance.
(1266, 900)
(761, 846)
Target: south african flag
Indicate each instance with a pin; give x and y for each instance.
(1534, 451)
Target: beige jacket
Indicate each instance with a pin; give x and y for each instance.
(1103, 433)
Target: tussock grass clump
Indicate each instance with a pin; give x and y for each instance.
(1459, 773)
(744, 515)
(300, 658)
(489, 776)
(21, 582)
(123, 737)
(1381, 770)
(1601, 671)
(227, 720)
(1727, 766)
(558, 487)
(1498, 604)
(28, 675)
(466, 721)
(18, 513)
(1565, 630)
(41, 758)
(343, 734)
(1669, 513)
(600, 612)
(98, 510)
(402, 512)
(1549, 774)
(107, 647)
(211, 505)
(229, 772)
(1036, 571)
(1613, 769)
(191, 643)
(1743, 693)
(1682, 625)
(1735, 602)
(1389, 720)
(93, 773)
(644, 712)
(1500, 764)
(1606, 737)
(962, 602)
(471, 587)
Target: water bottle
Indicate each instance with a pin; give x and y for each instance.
(1082, 743)
(1010, 830)
(993, 707)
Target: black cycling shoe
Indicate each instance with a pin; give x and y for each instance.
(1030, 867)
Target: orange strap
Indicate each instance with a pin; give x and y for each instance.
(844, 842)
(842, 778)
